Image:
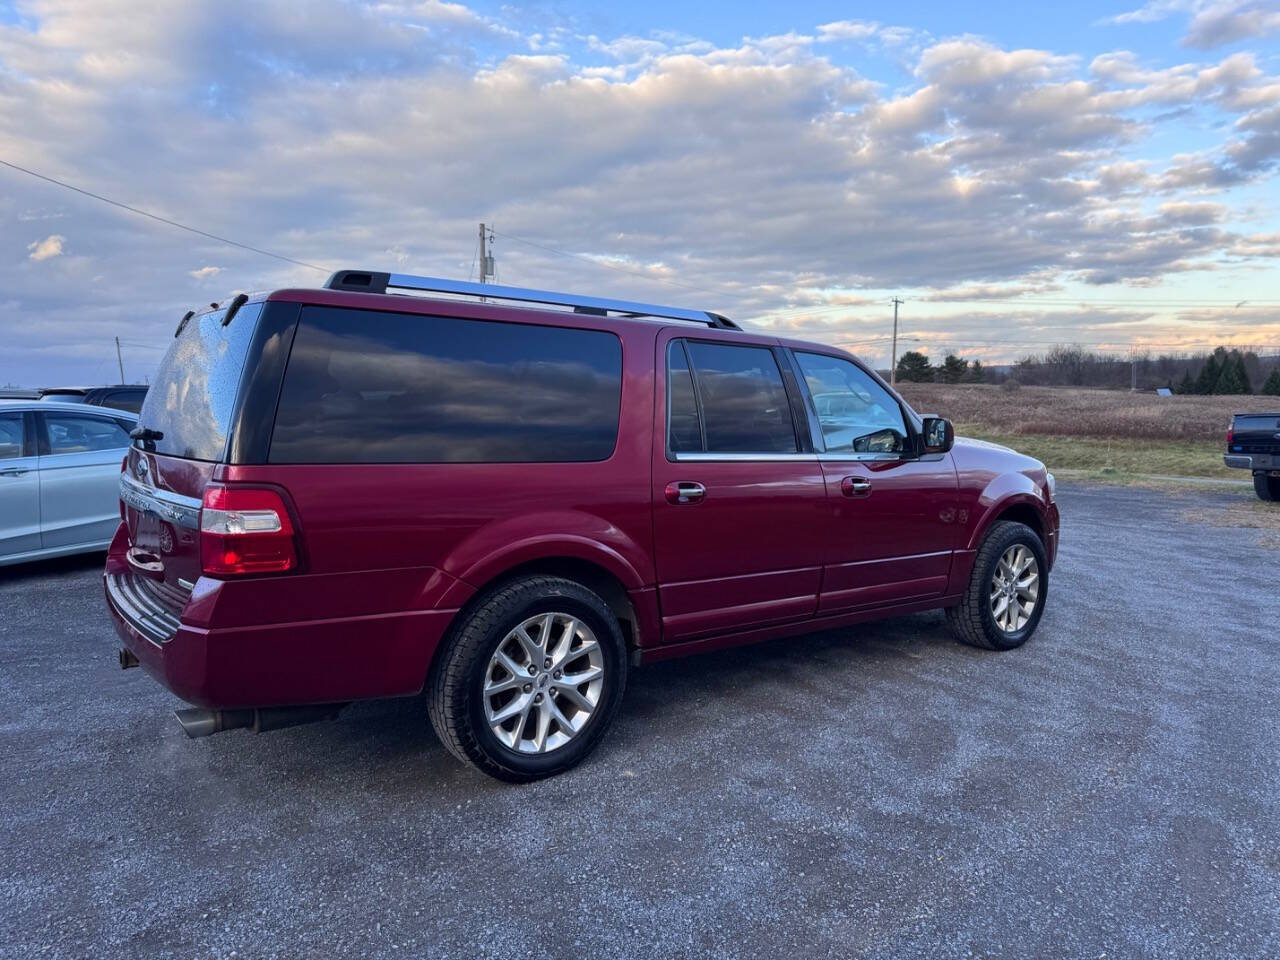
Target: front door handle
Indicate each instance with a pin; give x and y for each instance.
(14, 472)
(685, 491)
(855, 487)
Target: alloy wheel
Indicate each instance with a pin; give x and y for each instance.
(543, 683)
(1015, 588)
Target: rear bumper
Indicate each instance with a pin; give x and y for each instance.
(314, 661)
(1252, 461)
(229, 647)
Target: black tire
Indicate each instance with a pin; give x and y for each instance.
(455, 699)
(971, 620)
(1267, 488)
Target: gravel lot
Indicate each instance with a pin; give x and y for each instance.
(1111, 789)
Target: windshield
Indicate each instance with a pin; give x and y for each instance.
(193, 398)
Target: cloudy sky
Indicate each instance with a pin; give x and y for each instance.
(1020, 173)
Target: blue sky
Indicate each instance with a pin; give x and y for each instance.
(1022, 174)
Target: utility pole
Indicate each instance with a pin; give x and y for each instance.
(1133, 373)
(893, 357)
(119, 360)
(486, 258)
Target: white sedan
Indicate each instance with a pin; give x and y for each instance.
(59, 477)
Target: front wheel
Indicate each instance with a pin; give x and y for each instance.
(1267, 488)
(527, 683)
(1007, 590)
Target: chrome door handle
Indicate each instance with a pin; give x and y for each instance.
(13, 472)
(855, 487)
(684, 491)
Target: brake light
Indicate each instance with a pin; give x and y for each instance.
(1231, 434)
(245, 530)
(124, 465)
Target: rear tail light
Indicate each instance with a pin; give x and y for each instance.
(1231, 434)
(244, 531)
(124, 465)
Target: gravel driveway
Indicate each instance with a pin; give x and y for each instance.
(1111, 789)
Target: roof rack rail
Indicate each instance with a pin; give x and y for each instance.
(365, 281)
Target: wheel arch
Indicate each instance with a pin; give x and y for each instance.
(1022, 507)
(628, 604)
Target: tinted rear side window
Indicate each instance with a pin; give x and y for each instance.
(370, 387)
(684, 429)
(194, 394)
(744, 404)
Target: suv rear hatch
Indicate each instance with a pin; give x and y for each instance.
(184, 430)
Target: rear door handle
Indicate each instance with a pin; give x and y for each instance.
(685, 491)
(13, 472)
(855, 487)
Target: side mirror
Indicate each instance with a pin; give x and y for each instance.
(938, 434)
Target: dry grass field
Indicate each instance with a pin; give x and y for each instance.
(1105, 433)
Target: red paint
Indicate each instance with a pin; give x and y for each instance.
(387, 555)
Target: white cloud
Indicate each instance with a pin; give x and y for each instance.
(847, 30)
(1212, 23)
(48, 248)
(760, 178)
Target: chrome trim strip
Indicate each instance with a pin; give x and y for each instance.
(864, 457)
(184, 511)
(406, 281)
(745, 457)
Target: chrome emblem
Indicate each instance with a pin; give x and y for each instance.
(142, 470)
(166, 540)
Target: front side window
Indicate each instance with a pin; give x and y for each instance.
(744, 404)
(10, 436)
(371, 387)
(75, 433)
(856, 414)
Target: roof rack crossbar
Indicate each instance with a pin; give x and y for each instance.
(365, 281)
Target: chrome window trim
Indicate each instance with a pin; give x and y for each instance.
(744, 457)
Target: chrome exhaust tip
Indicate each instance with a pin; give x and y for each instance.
(199, 722)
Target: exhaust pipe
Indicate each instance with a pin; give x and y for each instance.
(199, 722)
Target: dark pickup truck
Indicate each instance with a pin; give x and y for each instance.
(1253, 443)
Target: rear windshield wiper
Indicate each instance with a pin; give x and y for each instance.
(146, 436)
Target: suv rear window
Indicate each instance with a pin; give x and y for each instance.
(194, 394)
(371, 387)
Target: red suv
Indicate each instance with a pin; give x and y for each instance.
(340, 494)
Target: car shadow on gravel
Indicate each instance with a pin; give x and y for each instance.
(388, 732)
(74, 565)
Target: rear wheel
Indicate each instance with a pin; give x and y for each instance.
(527, 684)
(1266, 487)
(1007, 590)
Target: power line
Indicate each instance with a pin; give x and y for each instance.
(160, 219)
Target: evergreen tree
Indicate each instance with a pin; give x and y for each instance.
(1272, 386)
(1187, 384)
(913, 366)
(1228, 380)
(977, 373)
(1209, 374)
(1242, 372)
(953, 369)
